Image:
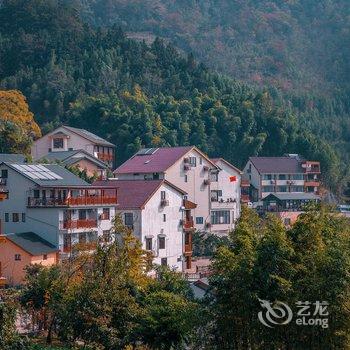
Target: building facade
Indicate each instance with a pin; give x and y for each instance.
(55, 204)
(225, 195)
(287, 174)
(20, 250)
(66, 138)
(191, 170)
(160, 218)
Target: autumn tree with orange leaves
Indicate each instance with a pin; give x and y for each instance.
(17, 125)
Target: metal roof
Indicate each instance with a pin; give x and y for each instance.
(89, 135)
(32, 243)
(277, 165)
(12, 158)
(294, 196)
(71, 157)
(63, 176)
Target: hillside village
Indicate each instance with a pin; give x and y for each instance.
(163, 195)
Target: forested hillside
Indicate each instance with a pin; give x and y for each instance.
(134, 94)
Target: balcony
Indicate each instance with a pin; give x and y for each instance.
(3, 182)
(105, 157)
(188, 224)
(73, 197)
(245, 198)
(245, 183)
(78, 224)
(313, 183)
(3, 282)
(188, 248)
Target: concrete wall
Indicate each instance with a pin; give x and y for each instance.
(12, 269)
(197, 191)
(149, 222)
(231, 196)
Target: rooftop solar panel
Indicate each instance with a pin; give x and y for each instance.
(37, 172)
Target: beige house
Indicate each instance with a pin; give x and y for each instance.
(67, 138)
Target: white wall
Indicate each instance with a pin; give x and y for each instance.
(148, 222)
(230, 191)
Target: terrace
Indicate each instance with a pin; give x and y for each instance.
(72, 197)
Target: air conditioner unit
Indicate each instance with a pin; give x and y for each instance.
(206, 182)
(207, 224)
(206, 168)
(272, 182)
(186, 160)
(187, 167)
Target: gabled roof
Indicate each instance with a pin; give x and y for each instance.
(157, 160)
(277, 165)
(12, 158)
(217, 160)
(32, 243)
(64, 178)
(134, 194)
(72, 157)
(89, 136)
(293, 196)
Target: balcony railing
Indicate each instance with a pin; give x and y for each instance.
(77, 224)
(188, 248)
(245, 198)
(312, 183)
(72, 201)
(188, 224)
(105, 157)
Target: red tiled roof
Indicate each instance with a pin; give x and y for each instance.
(277, 165)
(159, 161)
(134, 194)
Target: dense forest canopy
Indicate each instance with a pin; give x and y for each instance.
(136, 94)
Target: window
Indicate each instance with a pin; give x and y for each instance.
(282, 177)
(70, 149)
(215, 194)
(23, 217)
(186, 178)
(161, 242)
(282, 189)
(287, 221)
(106, 236)
(297, 177)
(36, 194)
(162, 195)
(164, 217)
(267, 177)
(45, 257)
(58, 143)
(149, 244)
(7, 217)
(199, 220)
(214, 176)
(82, 237)
(200, 160)
(297, 189)
(193, 161)
(15, 217)
(67, 242)
(155, 176)
(50, 150)
(129, 219)
(268, 189)
(164, 261)
(18, 257)
(82, 214)
(105, 214)
(4, 174)
(220, 217)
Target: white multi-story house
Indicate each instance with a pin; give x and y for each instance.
(66, 138)
(185, 167)
(55, 204)
(159, 216)
(280, 175)
(225, 194)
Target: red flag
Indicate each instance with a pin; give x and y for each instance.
(233, 178)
